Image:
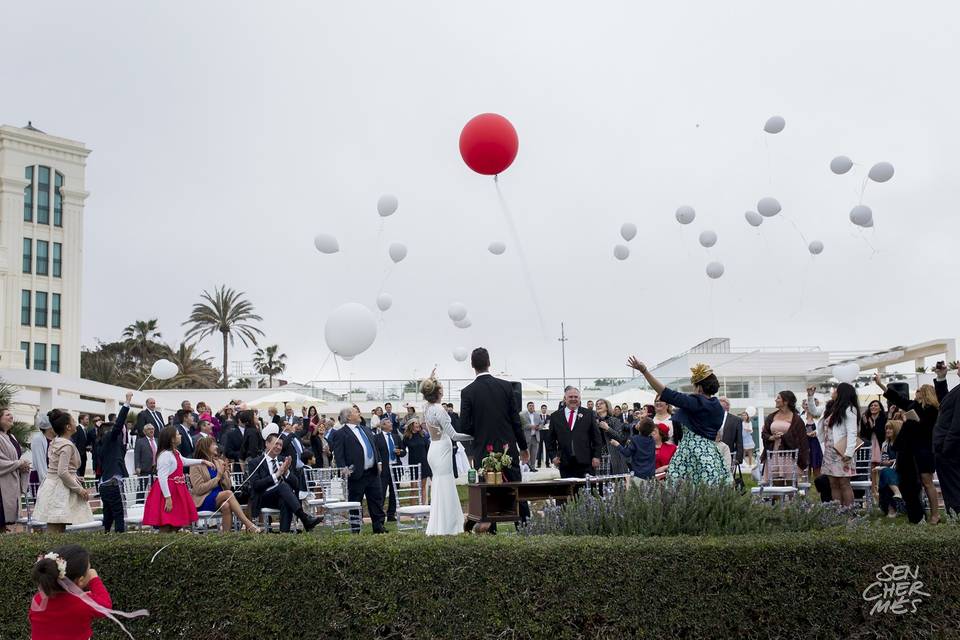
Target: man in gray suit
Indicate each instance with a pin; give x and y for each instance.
(531, 421)
(145, 457)
(732, 431)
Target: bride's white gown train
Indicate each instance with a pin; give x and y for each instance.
(446, 514)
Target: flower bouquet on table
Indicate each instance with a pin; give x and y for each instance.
(494, 464)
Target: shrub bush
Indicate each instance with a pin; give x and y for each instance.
(805, 585)
(684, 508)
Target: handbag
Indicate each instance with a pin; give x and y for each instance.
(840, 446)
(738, 482)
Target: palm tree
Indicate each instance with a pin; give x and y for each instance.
(141, 337)
(195, 369)
(229, 313)
(268, 363)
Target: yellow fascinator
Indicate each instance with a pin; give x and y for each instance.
(700, 373)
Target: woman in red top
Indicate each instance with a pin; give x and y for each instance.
(665, 450)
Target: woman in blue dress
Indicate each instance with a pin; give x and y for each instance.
(700, 416)
(212, 489)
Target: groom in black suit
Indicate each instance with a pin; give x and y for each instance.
(490, 412)
(573, 440)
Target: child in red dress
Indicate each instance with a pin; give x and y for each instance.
(169, 504)
(71, 595)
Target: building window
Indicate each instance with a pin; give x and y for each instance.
(25, 308)
(57, 259)
(55, 358)
(55, 312)
(43, 196)
(28, 195)
(40, 310)
(57, 204)
(39, 356)
(25, 347)
(28, 255)
(43, 257)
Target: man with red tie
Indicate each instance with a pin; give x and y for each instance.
(573, 440)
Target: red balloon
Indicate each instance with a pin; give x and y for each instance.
(488, 144)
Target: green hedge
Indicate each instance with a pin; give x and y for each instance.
(806, 585)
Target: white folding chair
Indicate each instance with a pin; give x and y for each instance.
(339, 513)
(862, 480)
(779, 476)
(27, 504)
(133, 493)
(206, 520)
(95, 505)
(315, 500)
(412, 513)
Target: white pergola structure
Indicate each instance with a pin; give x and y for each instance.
(943, 349)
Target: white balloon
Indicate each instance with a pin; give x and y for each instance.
(840, 165)
(715, 270)
(326, 243)
(621, 252)
(754, 218)
(881, 172)
(384, 301)
(460, 354)
(752, 411)
(497, 248)
(387, 205)
(628, 231)
(768, 207)
(350, 330)
(164, 369)
(708, 238)
(398, 251)
(774, 124)
(686, 215)
(861, 215)
(816, 247)
(466, 323)
(457, 311)
(269, 430)
(846, 372)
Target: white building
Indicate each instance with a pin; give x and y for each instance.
(41, 250)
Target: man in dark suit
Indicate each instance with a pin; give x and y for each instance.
(272, 486)
(490, 412)
(290, 418)
(114, 469)
(390, 448)
(80, 440)
(732, 432)
(252, 444)
(151, 415)
(946, 440)
(232, 439)
(184, 423)
(293, 448)
(354, 450)
(573, 440)
(388, 414)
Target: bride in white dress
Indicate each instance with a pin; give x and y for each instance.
(446, 514)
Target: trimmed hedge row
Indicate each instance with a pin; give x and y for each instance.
(807, 585)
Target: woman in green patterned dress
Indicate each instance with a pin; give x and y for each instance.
(700, 416)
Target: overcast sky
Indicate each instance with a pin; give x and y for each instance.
(226, 134)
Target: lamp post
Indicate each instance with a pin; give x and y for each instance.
(563, 353)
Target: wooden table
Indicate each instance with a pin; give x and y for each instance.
(488, 503)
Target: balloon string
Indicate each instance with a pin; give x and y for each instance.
(802, 237)
(523, 258)
(144, 382)
(766, 145)
(320, 370)
(337, 363)
(863, 188)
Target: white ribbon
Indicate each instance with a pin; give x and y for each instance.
(77, 592)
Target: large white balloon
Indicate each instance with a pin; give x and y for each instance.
(753, 218)
(715, 270)
(269, 430)
(457, 311)
(846, 372)
(881, 172)
(384, 301)
(460, 354)
(326, 243)
(350, 330)
(816, 247)
(628, 231)
(465, 323)
(708, 238)
(774, 124)
(387, 205)
(752, 412)
(164, 369)
(861, 215)
(840, 165)
(497, 248)
(768, 207)
(621, 252)
(398, 251)
(686, 215)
